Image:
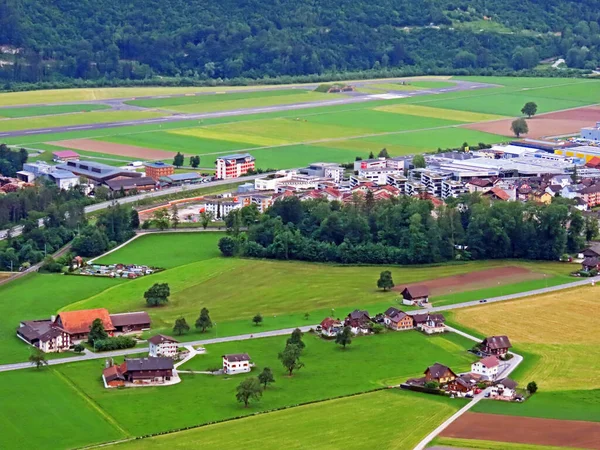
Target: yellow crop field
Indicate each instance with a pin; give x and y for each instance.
(439, 113)
(221, 134)
(558, 327)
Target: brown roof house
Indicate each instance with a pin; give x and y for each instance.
(440, 374)
(496, 345)
(430, 323)
(415, 295)
(146, 371)
(359, 322)
(161, 345)
(43, 335)
(461, 385)
(236, 363)
(397, 320)
(590, 263)
(129, 322)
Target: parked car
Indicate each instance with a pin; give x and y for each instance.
(486, 395)
(468, 395)
(477, 391)
(483, 301)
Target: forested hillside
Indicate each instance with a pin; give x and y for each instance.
(135, 39)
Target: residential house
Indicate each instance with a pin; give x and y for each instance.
(430, 323)
(130, 322)
(461, 386)
(330, 327)
(591, 195)
(554, 189)
(590, 263)
(415, 295)
(397, 320)
(139, 371)
(359, 322)
(440, 374)
(479, 185)
(113, 377)
(161, 345)
(487, 367)
(496, 345)
(41, 334)
(78, 323)
(236, 363)
(593, 251)
(497, 193)
(505, 388)
(540, 196)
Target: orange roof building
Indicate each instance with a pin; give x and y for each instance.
(78, 323)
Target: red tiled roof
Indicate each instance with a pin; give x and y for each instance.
(66, 154)
(489, 361)
(76, 322)
(329, 322)
(500, 193)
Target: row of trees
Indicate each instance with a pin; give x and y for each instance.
(404, 231)
(110, 41)
(11, 161)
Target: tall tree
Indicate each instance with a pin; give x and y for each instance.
(419, 162)
(248, 389)
(97, 332)
(205, 218)
(591, 228)
(178, 160)
(290, 358)
(160, 217)
(175, 216)
(385, 281)
(135, 219)
(519, 127)
(203, 322)
(157, 294)
(296, 338)
(529, 109)
(257, 319)
(383, 153)
(266, 377)
(181, 326)
(344, 337)
(38, 358)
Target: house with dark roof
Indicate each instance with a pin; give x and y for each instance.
(149, 371)
(161, 345)
(415, 295)
(496, 345)
(130, 322)
(440, 374)
(504, 389)
(430, 323)
(236, 363)
(397, 320)
(590, 263)
(43, 335)
(461, 386)
(359, 322)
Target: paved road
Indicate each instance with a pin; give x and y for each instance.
(89, 355)
(16, 231)
(349, 99)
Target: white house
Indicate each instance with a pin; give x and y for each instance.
(505, 389)
(161, 345)
(330, 327)
(486, 367)
(236, 363)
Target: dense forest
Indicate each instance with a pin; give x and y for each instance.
(404, 231)
(109, 40)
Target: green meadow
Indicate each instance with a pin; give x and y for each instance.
(13, 113)
(320, 425)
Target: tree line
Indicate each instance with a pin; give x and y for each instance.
(407, 230)
(110, 41)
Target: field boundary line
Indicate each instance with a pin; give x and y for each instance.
(91, 402)
(116, 248)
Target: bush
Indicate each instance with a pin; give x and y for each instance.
(51, 266)
(532, 387)
(114, 343)
(78, 348)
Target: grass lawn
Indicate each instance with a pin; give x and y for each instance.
(321, 425)
(38, 296)
(41, 409)
(526, 82)
(182, 248)
(439, 113)
(75, 119)
(47, 110)
(490, 445)
(329, 372)
(432, 84)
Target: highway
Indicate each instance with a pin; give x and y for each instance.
(352, 97)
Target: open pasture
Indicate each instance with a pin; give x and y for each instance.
(491, 445)
(201, 398)
(438, 113)
(13, 113)
(321, 425)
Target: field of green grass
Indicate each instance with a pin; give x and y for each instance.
(30, 111)
(329, 372)
(320, 425)
(490, 445)
(84, 118)
(38, 296)
(41, 409)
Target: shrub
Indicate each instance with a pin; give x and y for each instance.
(114, 343)
(532, 387)
(78, 348)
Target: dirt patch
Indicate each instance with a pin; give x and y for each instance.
(551, 124)
(114, 149)
(476, 280)
(526, 430)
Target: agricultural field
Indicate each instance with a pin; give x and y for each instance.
(13, 113)
(560, 356)
(320, 425)
(491, 445)
(232, 101)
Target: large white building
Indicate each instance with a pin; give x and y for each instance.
(220, 207)
(236, 363)
(377, 175)
(486, 367)
(233, 166)
(161, 345)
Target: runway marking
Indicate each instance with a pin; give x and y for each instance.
(38, 131)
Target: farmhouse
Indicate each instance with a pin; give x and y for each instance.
(397, 320)
(78, 323)
(236, 363)
(486, 367)
(496, 345)
(139, 371)
(505, 389)
(358, 321)
(129, 322)
(430, 323)
(461, 385)
(330, 327)
(415, 295)
(43, 335)
(161, 345)
(440, 374)
(590, 263)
